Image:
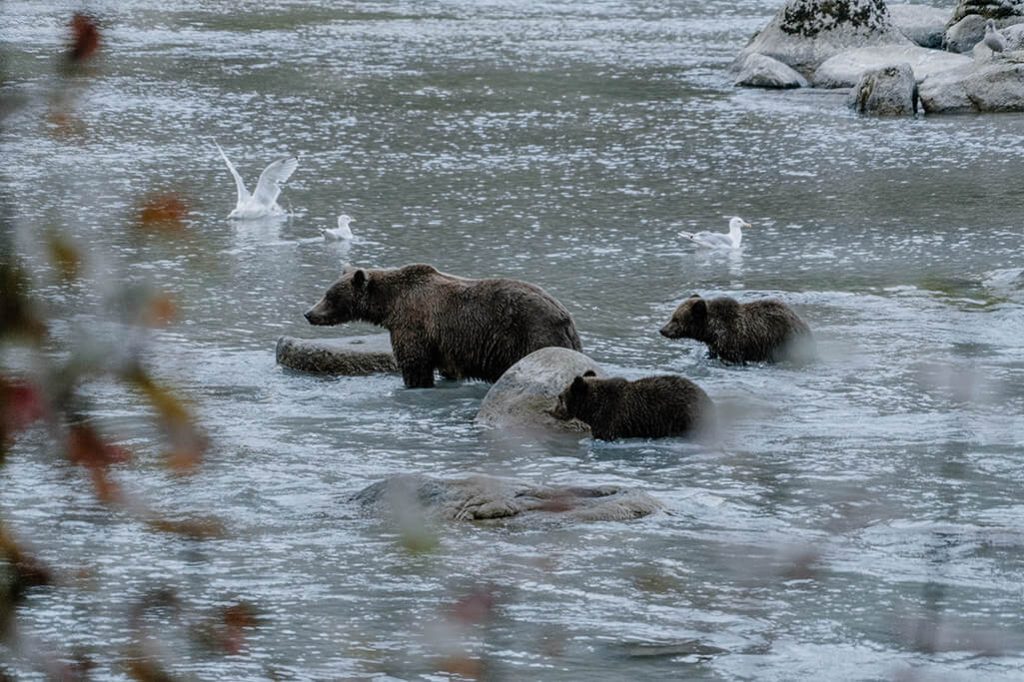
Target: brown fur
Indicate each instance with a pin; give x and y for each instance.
(653, 407)
(762, 331)
(466, 328)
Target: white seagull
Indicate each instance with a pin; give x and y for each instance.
(262, 202)
(718, 240)
(342, 233)
(994, 39)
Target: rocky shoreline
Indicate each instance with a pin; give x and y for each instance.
(897, 59)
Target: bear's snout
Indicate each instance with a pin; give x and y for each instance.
(666, 331)
(315, 315)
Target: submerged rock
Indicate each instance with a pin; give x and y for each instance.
(805, 33)
(889, 91)
(844, 70)
(353, 356)
(759, 71)
(996, 85)
(479, 497)
(922, 24)
(528, 390)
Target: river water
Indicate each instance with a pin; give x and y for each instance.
(861, 518)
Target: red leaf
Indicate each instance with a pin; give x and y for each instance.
(21, 404)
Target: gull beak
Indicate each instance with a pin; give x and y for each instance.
(747, 225)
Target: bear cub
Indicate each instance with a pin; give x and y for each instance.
(653, 407)
(761, 331)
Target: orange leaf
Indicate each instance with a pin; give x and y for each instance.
(85, 38)
(163, 211)
(87, 448)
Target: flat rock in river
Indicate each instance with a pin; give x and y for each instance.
(352, 356)
(480, 497)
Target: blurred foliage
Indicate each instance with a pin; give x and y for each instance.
(52, 397)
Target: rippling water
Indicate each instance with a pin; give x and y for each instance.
(860, 519)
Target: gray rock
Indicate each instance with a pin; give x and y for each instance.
(889, 91)
(529, 389)
(995, 85)
(759, 71)
(479, 497)
(965, 34)
(988, 9)
(844, 70)
(924, 25)
(353, 356)
(805, 33)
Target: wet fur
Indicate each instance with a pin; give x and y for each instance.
(465, 328)
(761, 331)
(653, 407)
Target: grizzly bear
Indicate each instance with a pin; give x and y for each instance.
(653, 407)
(761, 331)
(466, 328)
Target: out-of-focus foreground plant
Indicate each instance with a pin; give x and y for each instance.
(47, 389)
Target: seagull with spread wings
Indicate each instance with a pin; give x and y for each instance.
(262, 202)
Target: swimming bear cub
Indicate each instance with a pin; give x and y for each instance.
(761, 331)
(653, 407)
(466, 328)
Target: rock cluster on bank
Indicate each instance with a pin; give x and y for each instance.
(869, 45)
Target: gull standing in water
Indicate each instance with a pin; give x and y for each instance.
(262, 202)
(994, 39)
(342, 233)
(719, 240)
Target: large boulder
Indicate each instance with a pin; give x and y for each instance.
(759, 71)
(965, 34)
(479, 497)
(889, 91)
(353, 356)
(845, 69)
(988, 9)
(807, 32)
(995, 85)
(924, 25)
(528, 390)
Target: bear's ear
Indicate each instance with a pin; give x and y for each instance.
(590, 373)
(359, 279)
(579, 386)
(699, 309)
(694, 295)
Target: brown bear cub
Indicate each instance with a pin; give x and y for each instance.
(466, 328)
(653, 407)
(762, 331)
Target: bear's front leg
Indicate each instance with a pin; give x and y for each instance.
(415, 361)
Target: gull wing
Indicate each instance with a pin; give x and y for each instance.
(271, 179)
(709, 240)
(243, 193)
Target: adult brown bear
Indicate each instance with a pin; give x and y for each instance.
(466, 328)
